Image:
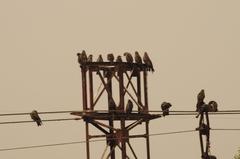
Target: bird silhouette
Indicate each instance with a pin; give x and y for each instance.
(138, 58)
(84, 56)
(119, 59)
(35, 117)
(165, 108)
(200, 99)
(129, 107)
(100, 59)
(213, 106)
(129, 57)
(80, 61)
(148, 61)
(110, 57)
(90, 58)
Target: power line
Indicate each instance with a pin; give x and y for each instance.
(84, 141)
(227, 129)
(30, 121)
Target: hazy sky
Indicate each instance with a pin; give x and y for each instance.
(193, 45)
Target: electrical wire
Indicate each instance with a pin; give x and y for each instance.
(81, 142)
(227, 129)
(30, 121)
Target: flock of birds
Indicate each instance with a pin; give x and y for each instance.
(212, 106)
(83, 58)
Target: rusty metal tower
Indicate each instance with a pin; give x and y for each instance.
(130, 80)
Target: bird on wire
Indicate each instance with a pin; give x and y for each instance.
(129, 57)
(165, 108)
(35, 117)
(129, 107)
(138, 58)
(119, 59)
(110, 57)
(148, 62)
(200, 100)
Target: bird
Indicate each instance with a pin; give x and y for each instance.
(148, 61)
(165, 108)
(36, 118)
(84, 56)
(100, 59)
(119, 59)
(138, 58)
(200, 99)
(110, 57)
(129, 107)
(79, 58)
(90, 58)
(129, 57)
(213, 106)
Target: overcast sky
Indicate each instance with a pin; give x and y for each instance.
(193, 44)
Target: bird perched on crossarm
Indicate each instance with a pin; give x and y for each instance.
(119, 59)
(35, 117)
(165, 108)
(138, 58)
(100, 59)
(200, 100)
(90, 58)
(110, 57)
(129, 107)
(147, 61)
(129, 57)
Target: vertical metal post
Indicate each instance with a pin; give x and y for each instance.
(91, 89)
(123, 140)
(111, 122)
(84, 88)
(121, 89)
(147, 140)
(145, 89)
(139, 94)
(87, 140)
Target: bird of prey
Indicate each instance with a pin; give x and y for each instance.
(90, 58)
(36, 118)
(79, 58)
(138, 58)
(84, 56)
(119, 59)
(165, 108)
(100, 59)
(213, 106)
(110, 57)
(147, 61)
(129, 107)
(129, 57)
(200, 99)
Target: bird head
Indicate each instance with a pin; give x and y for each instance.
(78, 54)
(126, 53)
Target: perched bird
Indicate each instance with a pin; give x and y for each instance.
(165, 108)
(138, 58)
(119, 59)
(100, 59)
(80, 61)
(110, 57)
(36, 118)
(213, 106)
(84, 56)
(148, 61)
(200, 99)
(90, 58)
(129, 107)
(129, 57)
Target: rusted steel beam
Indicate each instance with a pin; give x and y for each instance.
(130, 81)
(131, 148)
(133, 125)
(84, 88)
(147, 140)
(91, 89)
(87, 141)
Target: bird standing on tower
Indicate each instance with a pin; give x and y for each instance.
(129, 57)
(129, 107)
(90, 58)
(200, 100)
(148, 61)
(110, 57)
(138, 58)
(100, 59)
(119, 59)
(35, 117)
(165, 108)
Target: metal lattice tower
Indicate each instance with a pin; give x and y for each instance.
(126, 76)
